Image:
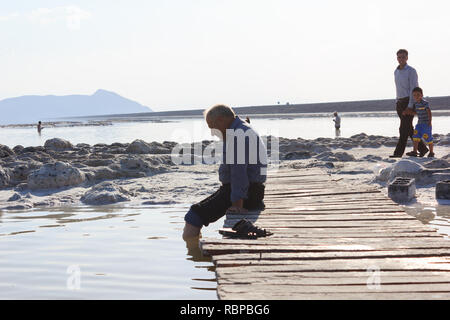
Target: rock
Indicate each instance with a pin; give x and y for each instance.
(391, 143)
(344, 156)
(370, 144)
(18, 149)
(105, 173)
(98, 162)
(33, 149)
(22, 206)
(58, 144)
(15, 197)
(45, 203)
(5, 151)
(55, 175)
(118, 144)
(444, 141)
(298, 155)
(4, 178)
(21, 169)
(135, 164)
(139, 147)
(403, 168)
(21, 186)
(142, 147)
(83, 145)
(436, 164)
(360, 136)
(83, 152)
(338, 156)
(296, 146)
(105, 193)
(329, 165)
(371, 158)
(383, 174)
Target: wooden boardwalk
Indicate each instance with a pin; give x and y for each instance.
(330, 242)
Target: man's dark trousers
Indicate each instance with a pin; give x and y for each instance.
(406, 129)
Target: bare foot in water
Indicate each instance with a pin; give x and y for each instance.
(190, 232)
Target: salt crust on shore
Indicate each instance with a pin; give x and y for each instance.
(140, 173)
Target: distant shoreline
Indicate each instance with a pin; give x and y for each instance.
(386, 105)
(350, 109)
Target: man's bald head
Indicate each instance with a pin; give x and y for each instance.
(219, 110)
(219, 117)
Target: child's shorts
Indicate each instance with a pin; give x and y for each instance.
(423, 131)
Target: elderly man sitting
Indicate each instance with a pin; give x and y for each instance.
(242, 172)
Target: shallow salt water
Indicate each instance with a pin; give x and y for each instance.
(195, 129)
(118, 252)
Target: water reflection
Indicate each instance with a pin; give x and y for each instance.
(151, 261)
(193, 250)
(337, 133)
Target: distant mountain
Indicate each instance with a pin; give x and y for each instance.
(32, 108)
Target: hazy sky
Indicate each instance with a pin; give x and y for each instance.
(181, 54)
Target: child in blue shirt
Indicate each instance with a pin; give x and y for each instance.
(421, 108)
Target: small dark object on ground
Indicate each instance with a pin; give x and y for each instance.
(402, 189)
(443, 190)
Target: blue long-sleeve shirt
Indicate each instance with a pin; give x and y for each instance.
(244, 159)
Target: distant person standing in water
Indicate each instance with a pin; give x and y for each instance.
(337, 124)
(406, 80)
(39, 127)
(337, 121)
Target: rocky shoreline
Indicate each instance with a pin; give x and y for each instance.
(60, 173)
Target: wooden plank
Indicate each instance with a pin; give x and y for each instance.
(393, 276)
(374, 240)
(310, 215)
(293, 289)
(337, 204)
(399, 263)
(325, 192)
(346, 200)
(295, 205)
(249, 295)
(380, 253)
(344, 197)
(347, 205)
(334, 224)
(387, 264)
(319, 217)
(282, 210)
(331, 281)
(280, 174)
(218, 249)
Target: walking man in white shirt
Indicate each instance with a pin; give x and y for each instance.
(405, 81)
